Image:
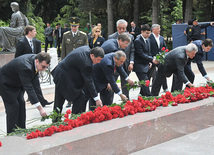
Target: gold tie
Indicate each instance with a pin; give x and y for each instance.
(36, 72)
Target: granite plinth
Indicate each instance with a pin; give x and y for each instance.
(6, 57)
(122, 135)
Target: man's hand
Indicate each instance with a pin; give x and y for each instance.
(191, 85)
(150, 65)
(41, 111)
(123, 97)
(130, 68)
(155, 61)
(131, 82)
(108, 87)
(99, 103)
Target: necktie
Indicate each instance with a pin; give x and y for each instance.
(31, 45)
(115, 68)
(147, 45)
(36, 72)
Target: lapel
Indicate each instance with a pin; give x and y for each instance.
(154, 40)
(28, 45)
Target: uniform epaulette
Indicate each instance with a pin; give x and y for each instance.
(82, 32)
(67, 32)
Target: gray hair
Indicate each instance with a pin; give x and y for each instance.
(154, 26)
(191, 47)
(121, 21)
(124, 37)
(119, 54)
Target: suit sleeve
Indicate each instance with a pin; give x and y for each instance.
(140, 51)
(19, 49)
(88, 79)
(198, 60)
(109, 70)
(180, 62)
(122, 72)
(29, 83)
(63, 48)
(205, 25)
(132, 50)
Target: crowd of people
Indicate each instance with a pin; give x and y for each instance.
(90, 64)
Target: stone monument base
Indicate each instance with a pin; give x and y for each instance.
(120, 136)
(5, 57)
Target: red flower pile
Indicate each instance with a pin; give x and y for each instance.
(0, 144)
(140, 105)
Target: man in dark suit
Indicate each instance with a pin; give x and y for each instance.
(157, 43)
(143, 58)
(22, 74)
(73, 78)
(175, 62)
(129, 50)
(134, 30)
(58, 33)
(203, 46)
(104, 80)
(28, 44)
(48, 36)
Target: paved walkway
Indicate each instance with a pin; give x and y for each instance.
(168, 146)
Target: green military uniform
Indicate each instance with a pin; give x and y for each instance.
(70, 43)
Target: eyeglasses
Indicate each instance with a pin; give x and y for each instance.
(43, 67)
(97, 31)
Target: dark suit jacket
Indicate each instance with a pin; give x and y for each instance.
(19, 73)
(23, 47)
(175, 61)
(75, 72)
(57, 32)
(136, 31)
(103, 73)
(129, 50)
(98, 42)
(110, 46)
(199, 57)
(154, 46)
(142, 55)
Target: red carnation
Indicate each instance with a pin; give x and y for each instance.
(0, 144)
(166, 50)
(147, 83)
(68, 111)
(163, 48)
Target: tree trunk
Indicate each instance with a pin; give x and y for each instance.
(188, 10)
(155, 4)
(110, 16)
(207, 10)
(136, 12)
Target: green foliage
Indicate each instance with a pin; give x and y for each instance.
(177, 12)
(36, 21)
(4, 24)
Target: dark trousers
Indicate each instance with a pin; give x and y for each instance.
(152, 73)
(105, 96)
(58, 47)
(144, 91)
(46, 44)
(79, 103)
(15, 112)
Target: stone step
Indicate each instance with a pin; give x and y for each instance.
(122, 135)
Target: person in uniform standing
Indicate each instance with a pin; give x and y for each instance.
(72, 40)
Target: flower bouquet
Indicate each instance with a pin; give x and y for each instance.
(210, 83)
(138, 84)
(161, 55)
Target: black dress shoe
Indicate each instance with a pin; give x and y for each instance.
(47, 103)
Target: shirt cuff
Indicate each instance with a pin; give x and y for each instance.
(187, 83)
(131, 62)
(119, 93)
(37, 104)
(206, 76)
(96, 98)
(127, 78)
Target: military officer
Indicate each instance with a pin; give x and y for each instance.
(73, 39)
(194, 32)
